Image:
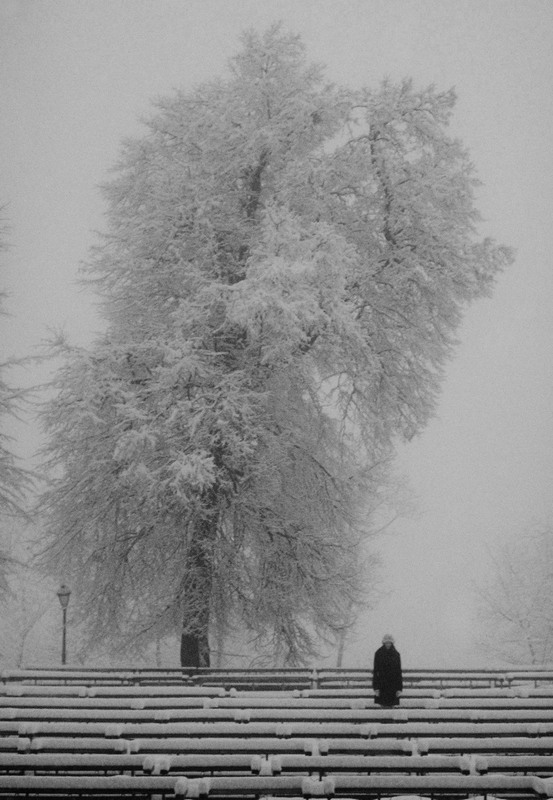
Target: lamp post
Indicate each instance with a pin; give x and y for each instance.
(64, 593)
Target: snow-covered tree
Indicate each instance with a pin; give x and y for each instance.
(25, 632)
(284, 269)
(15, 480)
(516, 601)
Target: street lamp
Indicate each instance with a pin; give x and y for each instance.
(64, 593)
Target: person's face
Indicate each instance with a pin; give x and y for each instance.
(387, 644)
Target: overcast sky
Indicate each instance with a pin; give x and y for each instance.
(76, 76)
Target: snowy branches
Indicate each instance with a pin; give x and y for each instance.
(516, 603)
(285, 266)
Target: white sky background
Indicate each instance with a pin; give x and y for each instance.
(75, 77)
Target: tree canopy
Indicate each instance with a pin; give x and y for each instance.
(15, 480)
(284, 268)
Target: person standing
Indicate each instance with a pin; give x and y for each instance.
(387, 675)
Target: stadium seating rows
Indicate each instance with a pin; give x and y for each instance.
(278, 678)
(273, 734)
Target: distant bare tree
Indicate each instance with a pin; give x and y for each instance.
(516, 602)
(29, 601)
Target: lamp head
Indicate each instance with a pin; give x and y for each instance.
(64, 593)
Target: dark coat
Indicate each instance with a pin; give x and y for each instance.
(387, 676)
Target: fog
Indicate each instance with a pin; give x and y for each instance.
(76, 77)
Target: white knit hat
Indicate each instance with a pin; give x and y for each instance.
(388, 638)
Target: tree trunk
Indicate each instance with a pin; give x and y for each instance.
(342, 639)
(341, 645)
(194, 650)
(198, 576)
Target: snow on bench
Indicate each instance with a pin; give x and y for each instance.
(275, 678)
(325, 764)
(210, 717)
(473, 729)
(14, 743)
(439, 732)
(76, 744)
(467, 744)
(71, 762)
(279, 786)
(99, 690)
(289, 704)
(186, 729)
(499, 701)
(127, 762)
(13, 786)
(262, 746)
(540, 765)
(416, 719)
(224, 763)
